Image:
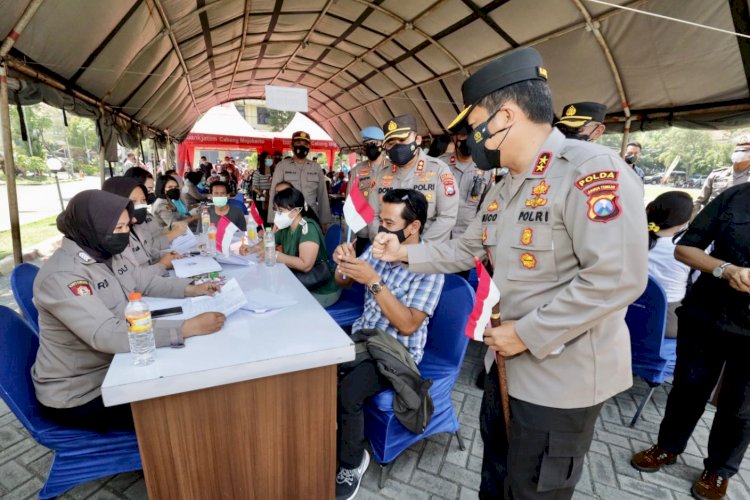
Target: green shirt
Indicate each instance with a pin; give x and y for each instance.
(307, 230)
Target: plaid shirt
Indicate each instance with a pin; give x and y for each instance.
(414, 290)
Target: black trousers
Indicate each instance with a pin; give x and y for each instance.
(702, 350)
(92, 415)
(355, 386)
(543, 458)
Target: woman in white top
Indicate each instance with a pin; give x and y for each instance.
(667, 216)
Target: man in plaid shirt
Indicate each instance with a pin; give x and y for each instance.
(398, 302)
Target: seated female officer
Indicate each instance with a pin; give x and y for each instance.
(147, 241)
(300, 240)
(191, 196)
(81, 293)
(168, 208)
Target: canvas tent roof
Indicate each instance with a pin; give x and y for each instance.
(165, 62)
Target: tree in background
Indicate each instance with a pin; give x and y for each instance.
(700, 151)
(278, 120)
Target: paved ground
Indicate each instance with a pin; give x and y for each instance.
(36, 202)
(434, 468)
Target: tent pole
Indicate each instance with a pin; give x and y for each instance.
(10, 166)
(102, 174)
(625, 135)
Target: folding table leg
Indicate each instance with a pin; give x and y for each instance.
(460, 440)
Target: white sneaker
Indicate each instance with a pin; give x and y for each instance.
(348, 480)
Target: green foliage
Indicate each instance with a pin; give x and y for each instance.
(31, 164)
(700, 151)
(278, 120)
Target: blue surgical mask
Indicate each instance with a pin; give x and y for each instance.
(269, 162)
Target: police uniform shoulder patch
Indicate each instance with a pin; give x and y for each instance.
(80, 288)
(595, 177)
(448, 185)
(542, 163)
(603, 206)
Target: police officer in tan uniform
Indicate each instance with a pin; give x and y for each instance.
(81, 293)
(722, 179)
(583, 121)
(364, 172)
(566, 232)
(412, 169)
(472, 182)
(306, 176)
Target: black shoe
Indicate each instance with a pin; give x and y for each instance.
(348, 480)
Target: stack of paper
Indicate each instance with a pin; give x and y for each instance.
(193, 266)
(185, 242)
(229, 300)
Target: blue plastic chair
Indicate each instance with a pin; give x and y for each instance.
(653, 355)
(233, 202)
(443, 355)
(349, 307)
(332, 240)
(79, 455)
(22, 284)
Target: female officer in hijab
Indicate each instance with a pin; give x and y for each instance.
(81, 294)
(147, 239)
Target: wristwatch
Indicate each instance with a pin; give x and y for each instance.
(376, 288)
(718, 271)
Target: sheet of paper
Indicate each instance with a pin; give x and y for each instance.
(260, 301)
(229, 300)
(237, 260)
(193, 266)
(185, 242)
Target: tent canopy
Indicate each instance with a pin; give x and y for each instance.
(166, 62)
(223, 120)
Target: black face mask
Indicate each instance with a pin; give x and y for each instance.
(150, 198)
(115, 243)
(301, 152)
(140, 215)
(462, 147)
(631, 159)
(173, 194)
(401, 154)
(372, 151)
(484, 158)
(399, 234)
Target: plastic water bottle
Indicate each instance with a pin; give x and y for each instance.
(211, 247)
(140, 330)
(269, 247)
(205, 220)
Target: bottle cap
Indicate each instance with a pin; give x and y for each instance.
(135, 296)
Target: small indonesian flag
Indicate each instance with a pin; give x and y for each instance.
(225, 230)
(357, 212)
(486, 297)
(256, 215)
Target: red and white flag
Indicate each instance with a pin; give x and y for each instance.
(357, 212)
(486, 297)
(256, 215)
(225, 230)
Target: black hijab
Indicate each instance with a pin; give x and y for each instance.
(123, 186)
(194, 177)
(91, 215)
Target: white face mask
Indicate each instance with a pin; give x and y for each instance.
(740, 156)
(220, 201)
(283, 219)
